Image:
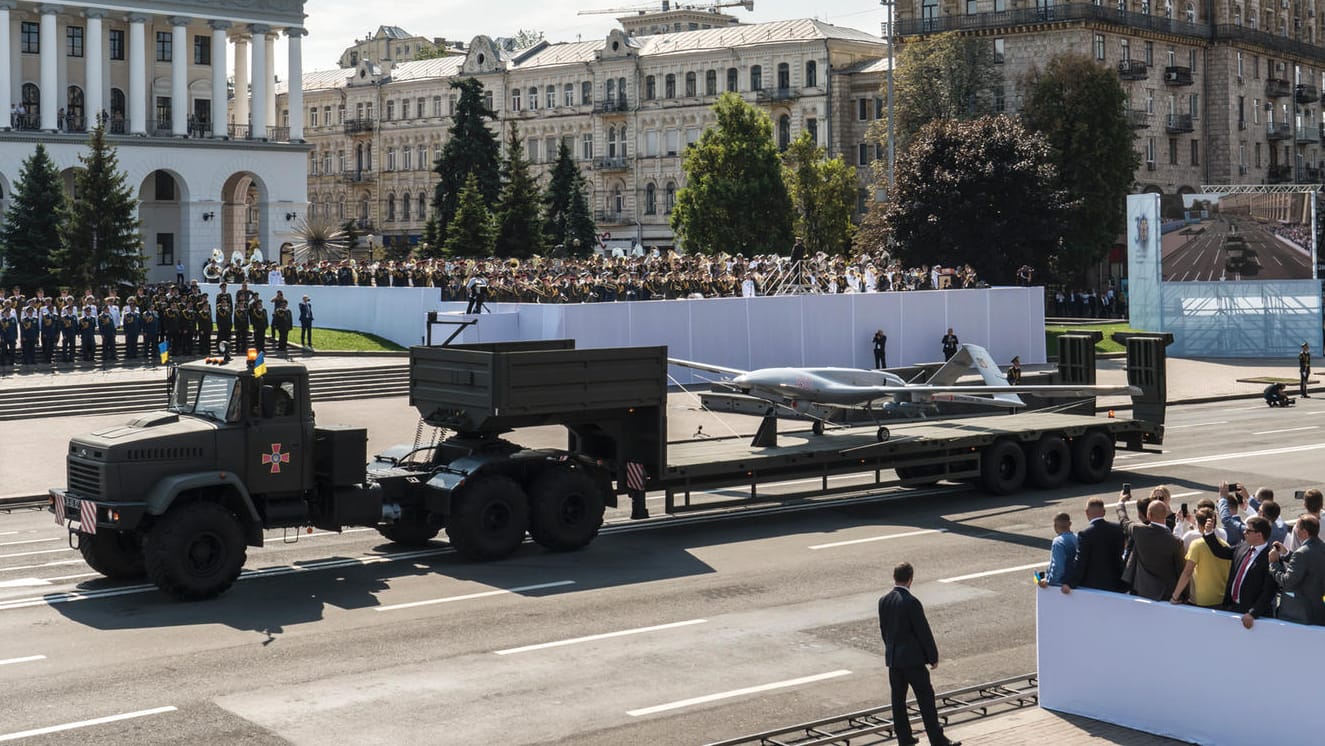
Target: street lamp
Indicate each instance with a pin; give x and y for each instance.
(892, 148)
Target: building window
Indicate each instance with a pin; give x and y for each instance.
(1173, 151)
(669, 86)
(391, 159)
(404, 207)
(863, 109)
(117, 106)
(862, 154)
(756, 78)
(340, 114)
(732, 84)
(551, 97)
(1258, 155)
(586, 92)
(165, 48)
(404, 108)
(784, 132)
(669, 198)
(326, 115)
(390, 207)
(533, 99)
(73, 41)
(202, 50)
(971, 7)
(437, 106)
(1099, 46)
(326, 162)
(650, 88)
(568, 95)
(692, 83)
(812, 126)
(312, 117)
(586, 147)
(116, 39)
(531, 150)
(407, 156)
(711, 83)
(163, 112)
(32, 101)
(650, 199)
(611, 142)
(1191, 58)
(487, 100)
(811, 74)
(29, 38)
(1150, 150)
(423, 207)
(1150, 53)
(1000, 51)
(1196, 152)
(1194, 106)
(611, 90)
(391, 110)
(1000, 99)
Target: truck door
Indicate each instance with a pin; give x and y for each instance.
(278, 452)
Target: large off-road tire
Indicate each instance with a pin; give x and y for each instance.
(1048, 462)
(411, 531)
(195, 551)
(116, 554)
(565, 510)
(1092, 457)
(488, 518)
(1003, 468)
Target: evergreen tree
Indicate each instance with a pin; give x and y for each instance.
(519, 224)
(734, 198)
(31, 230)
(352, 234)
(101, 246)
(823, 193)
(471, 149)
(471, 231)
(566, 217)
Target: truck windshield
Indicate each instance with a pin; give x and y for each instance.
(206, 395)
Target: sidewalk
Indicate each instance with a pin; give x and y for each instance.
(1042, 726)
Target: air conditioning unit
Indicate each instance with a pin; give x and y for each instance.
(1150, 165)
(1171, 76)
(1242, 170)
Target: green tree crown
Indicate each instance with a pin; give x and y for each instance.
(31, 229)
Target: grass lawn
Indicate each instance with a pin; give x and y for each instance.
(340, 340)
(1105, 345)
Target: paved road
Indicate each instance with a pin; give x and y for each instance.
(667, 632)
(1199, 252)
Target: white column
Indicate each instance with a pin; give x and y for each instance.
(179, 76)
(295, 84)
(94, 79)
(270, 40)
(261, 80)
(220, 62)
(50, 67)
(6, 90)
(241, 80)
(137, 75)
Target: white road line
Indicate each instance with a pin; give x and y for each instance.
(30, 541)
(72, 577)
(603, 636)
(84, 723)
(469, 596)
(29, 554)
(878, 538)
(737, 693)
(16, 568)
(27, 659)
(1185, 494)
(1196, 424)
(1287, 430)
(24, 583)
(987, 573)
(1226, 456)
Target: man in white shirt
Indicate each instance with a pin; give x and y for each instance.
(1312, 501)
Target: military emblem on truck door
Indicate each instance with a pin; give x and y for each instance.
(275, 458)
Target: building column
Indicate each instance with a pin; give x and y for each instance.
(270, 43)
(261, 80)
(179, 76)
(50, 67)
(241, 111)
(137, 74)
(220, 94)
(295, 84)
(6, 90)
(93, 92)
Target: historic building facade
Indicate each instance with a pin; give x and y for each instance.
(212, 169)
(626, 106)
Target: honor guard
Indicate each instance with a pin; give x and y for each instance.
(151, 325)
(68, 331)
(29, 335)
(204, 327)
(132, 328)
(106, 325)
(258, 318)
(282, 321)
(50, 333)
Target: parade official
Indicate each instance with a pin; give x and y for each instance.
(1304, 369)
(306, 323)
(908, 647)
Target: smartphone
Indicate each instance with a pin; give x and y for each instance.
(1300, 494)
(1183, 509)
(1127, 487)
(1233, 487)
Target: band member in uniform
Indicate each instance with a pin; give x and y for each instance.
(258, 318)
(8, 334)
(204, 326)
(50, 332)
(68, 331)
(129, 319)
(87, 334)
(241, 323)
(106, 325)
(151, 324)
(188, 326)
(282, 321)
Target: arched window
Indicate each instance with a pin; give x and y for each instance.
(73, 109)
(618, 201)
(621, 92)
(669, 86)
(363, 208)
(568, 95)
(811, 74)
(711, 83)
(515, 99)
(391, 206)
(784, 76)
(784, 132)
(669, 200)
(423, 206)
(404, 207)
(650, 198)
(586, 92)
(756, 77)
(31, 106)
(731, 79)
(550, 93)
(650, 88)
(533, 98)
(611, 142)
(691, 84)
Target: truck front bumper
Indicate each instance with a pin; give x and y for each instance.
(90, 515)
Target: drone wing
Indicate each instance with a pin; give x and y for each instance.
(706, 367)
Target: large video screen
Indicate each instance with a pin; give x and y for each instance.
(1241, 237)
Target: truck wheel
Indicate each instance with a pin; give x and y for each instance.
(920, 476)
(565, 510)
(195, 551)
(410, 533)
(488, 519)
(1048, 462)
(115, 554)
(1092, 457)
(1003, 467)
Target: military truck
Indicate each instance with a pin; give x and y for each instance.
(178, 495)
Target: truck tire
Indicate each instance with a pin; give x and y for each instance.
(116, 554)
(488, 519)
(414, 532)
(565, 510)
(1003, 467)
(1048, 462)
(195, 551)
(1092, 457)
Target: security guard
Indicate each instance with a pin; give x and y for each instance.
(1304, 369)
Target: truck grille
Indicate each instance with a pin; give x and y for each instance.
(85, 479)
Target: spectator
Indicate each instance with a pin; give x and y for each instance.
(1157, 559)
(1251, 589)
(1063, 551)
(1270, 511)
(880, 349)
(1189, 529)
(1205, 573)
(1312, 501)
(1301, 574)
(908, 647)
(1099, 561)
(1233, 501)
(950, 344)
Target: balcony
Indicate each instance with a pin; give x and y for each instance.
(1177, 75)
(1132, 70)
(361, 126)
(1305, 93)
(1138, 118)
(1307, 134)
(359, 177)
(1178, 124)
(1278, 175)
(1055, 14)
(612, 217)
(618, 105)
(776, 94)
(1277, 88)
(611, 163)
(1308, 175)
(1278, 131)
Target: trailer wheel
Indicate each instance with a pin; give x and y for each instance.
(410, 533)
(115, 554)
(489, 519)
(817, 427)
(195, 551)
(565, 510)
(1048, 462)
(1003, 467)
(920, 476)
(1092, 457)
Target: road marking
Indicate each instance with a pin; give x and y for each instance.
(38, 567)
(84, 723)
(29, 541)
(737, 693)
(1287, 430)
(27, 659)
(878, 538)
(603, 636)
(987, 573)
(79, 575)
(1223, 456)
(24, 583)
(1196, 424)
(29, 554)
(471, 596)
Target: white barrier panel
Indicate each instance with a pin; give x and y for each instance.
(1192, 674)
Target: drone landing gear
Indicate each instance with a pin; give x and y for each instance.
(767, 434)
(817, 427)
(882, 434)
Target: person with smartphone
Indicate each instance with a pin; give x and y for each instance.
(1204, 573)
(1312, 502)
(1301, 574)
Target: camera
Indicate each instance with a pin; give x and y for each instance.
(1233, 487)
(1299, 494)
(1183, 509)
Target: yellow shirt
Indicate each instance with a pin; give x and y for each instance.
(1210, 575)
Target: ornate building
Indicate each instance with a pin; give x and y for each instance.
(625, 105)
(212, 169)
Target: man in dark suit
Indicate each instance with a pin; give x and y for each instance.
(306, 323)
(1251, 588)
(1099, 561)
(908, 647)
(1301, 575)
(1158, 555)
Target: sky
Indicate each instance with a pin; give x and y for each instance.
(334, 24)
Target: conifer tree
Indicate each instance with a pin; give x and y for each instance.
(471, 149)
(566, 217)
(471, 231)
(519, 222)
(31, 230)
(100, 246)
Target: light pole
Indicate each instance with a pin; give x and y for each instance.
(892, 151)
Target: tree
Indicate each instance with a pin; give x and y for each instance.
(979, 193)
(566, 218)
(31, 228)
(1078, 106)
(100, 244)
(823, 193)
(351, 230)
(471, 231)
(525, 38)
(471, 149)
(519, 222)
(734, 198)
(945, 76)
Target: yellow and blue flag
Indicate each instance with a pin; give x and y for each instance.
(164, 349)
(260, 366)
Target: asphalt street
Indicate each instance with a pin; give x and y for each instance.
(671, 631)
(1199, 252)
